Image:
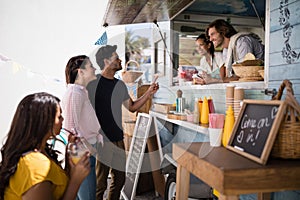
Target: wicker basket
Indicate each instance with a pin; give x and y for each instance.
(287, 142)
(262, 73)
(131, 76)
(247, 71)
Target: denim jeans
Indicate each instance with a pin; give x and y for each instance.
(87, 190)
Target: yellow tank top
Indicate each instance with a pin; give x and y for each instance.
(34, 168)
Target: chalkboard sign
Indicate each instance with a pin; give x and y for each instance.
(255, 129)
(136, 155)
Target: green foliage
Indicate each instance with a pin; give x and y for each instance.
(135, 44)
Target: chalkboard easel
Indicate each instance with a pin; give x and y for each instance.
(143, 135)
(256, 127)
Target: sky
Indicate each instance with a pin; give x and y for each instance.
(37, 38)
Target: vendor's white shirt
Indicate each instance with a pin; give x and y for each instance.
(217, 62)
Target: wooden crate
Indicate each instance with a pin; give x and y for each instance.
(140, 92)
(163, 108)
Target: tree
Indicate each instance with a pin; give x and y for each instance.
(134, 44)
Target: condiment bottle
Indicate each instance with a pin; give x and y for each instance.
(211, 105)
(204, 112)
(200, 102)
(179, 102)
(228, 126)
(196, 111)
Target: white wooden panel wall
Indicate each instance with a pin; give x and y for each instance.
(285, 44)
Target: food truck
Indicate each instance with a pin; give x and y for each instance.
(175, 25)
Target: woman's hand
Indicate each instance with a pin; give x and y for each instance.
(80, 170)
(199, 80)
(77, 173)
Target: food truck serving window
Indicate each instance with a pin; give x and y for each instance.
(187, 19)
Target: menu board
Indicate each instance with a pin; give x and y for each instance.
(136, 155)
(256, 128)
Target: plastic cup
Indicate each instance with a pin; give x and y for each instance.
(75, 159)
(215, 136)
(76, 150)
(216, 120)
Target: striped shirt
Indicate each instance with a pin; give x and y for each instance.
(79, 114)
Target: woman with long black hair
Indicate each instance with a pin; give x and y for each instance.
(29, 168)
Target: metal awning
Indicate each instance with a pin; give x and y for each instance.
(141, 11)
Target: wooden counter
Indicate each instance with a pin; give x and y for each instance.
(230, 173)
